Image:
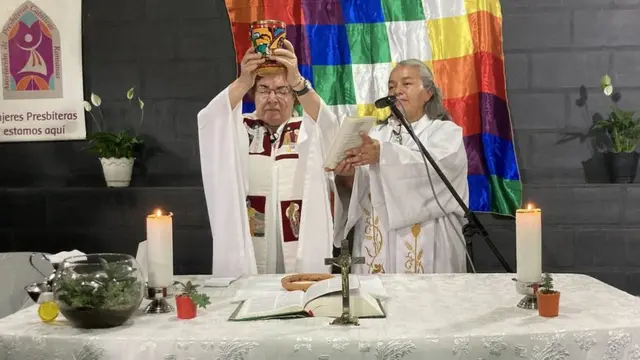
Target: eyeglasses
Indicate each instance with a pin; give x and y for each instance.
(280, 92)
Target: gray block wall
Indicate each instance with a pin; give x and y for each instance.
(180, 55)
(552, 50)
(556, 52)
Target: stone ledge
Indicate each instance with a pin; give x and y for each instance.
(581, 185)
(544, 6)
(195, 183)
(57, 189)
(96, 181)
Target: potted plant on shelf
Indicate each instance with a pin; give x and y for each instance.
(115, 150)
(623, 131)
(548, 298)
(189, 299)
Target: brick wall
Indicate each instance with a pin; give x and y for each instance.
(556, 51)
(105, 220)
(589, 228)
(53, 197)
(552, 49)
(177, 56)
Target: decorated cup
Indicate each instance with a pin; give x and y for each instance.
(266, 36)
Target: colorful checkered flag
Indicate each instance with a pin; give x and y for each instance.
(347, 48)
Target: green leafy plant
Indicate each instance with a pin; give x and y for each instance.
(189, 290)
(110, 286)
(621, 128)
(546, 287)
(110, 144)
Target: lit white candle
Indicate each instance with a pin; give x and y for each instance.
(160, 249)
(529, 244)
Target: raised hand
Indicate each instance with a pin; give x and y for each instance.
(248, 66)
(368, 153)
(343, 169)
(287, 57)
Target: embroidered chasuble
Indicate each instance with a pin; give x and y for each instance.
(399, 227)
(270, 202)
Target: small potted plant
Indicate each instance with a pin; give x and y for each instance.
(189, 299)
(548, 298)
(115, 150)
(623, 131)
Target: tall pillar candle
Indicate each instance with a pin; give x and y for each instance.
(160, 249)
(529, 244)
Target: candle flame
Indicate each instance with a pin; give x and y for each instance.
(159, 213)
(529, 206)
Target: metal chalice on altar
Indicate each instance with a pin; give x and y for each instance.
(529, 290)
(36, 289)
(45, 286)
(158, 297)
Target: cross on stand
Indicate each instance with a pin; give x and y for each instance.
(344, 262)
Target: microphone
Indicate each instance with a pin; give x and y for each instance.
(474, 226)
(385, 101)
(274, 137)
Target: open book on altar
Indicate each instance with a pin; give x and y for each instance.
(322, 299)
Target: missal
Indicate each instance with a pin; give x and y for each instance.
(322, 299)
(348, 137)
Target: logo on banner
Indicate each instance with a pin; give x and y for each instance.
(30, 54)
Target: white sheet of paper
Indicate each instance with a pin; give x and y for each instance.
(257, 287)
(373, 285)
(219, 281)
(59, 257)
(348, 137)
(141, 258)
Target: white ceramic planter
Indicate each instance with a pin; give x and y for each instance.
(117, 172)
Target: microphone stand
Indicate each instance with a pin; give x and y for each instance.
(473, 226)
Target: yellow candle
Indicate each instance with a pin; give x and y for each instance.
(529, 244)
(160, 249)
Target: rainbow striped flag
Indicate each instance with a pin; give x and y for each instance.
(347, 48)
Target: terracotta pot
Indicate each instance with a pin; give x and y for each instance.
(548, 304)
(186, 307)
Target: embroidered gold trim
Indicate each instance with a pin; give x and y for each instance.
(372, 233)
(414, 257)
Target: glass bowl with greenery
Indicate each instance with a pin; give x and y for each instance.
(98, 290)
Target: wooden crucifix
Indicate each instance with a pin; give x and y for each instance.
(344, 262)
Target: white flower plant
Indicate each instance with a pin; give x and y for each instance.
(620, 127)
(109, 144)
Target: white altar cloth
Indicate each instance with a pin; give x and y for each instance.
(457, 316)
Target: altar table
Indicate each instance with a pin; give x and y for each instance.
(452, 316)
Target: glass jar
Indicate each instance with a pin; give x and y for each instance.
(47, 309)
(98, 290)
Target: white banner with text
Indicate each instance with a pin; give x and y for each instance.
(41, 71)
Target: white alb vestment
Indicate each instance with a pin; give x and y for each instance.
(399, 227)
(268, 196)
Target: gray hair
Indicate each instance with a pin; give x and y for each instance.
(434, 108)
